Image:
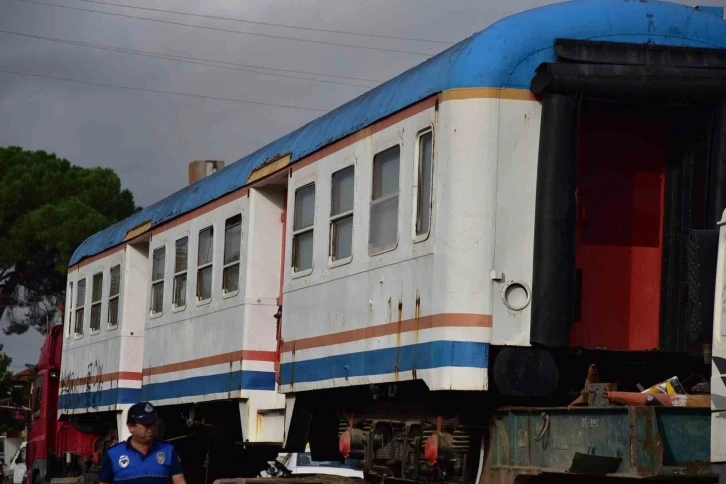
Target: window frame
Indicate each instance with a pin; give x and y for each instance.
(339, 216)
(37, 397)
(417, 238)
(308, 228)
(382, 148)
(176, 274)
(92, 331)
(238, 262)
(76, 334)
(155, 282)
(117, 297)
(71, 319)
(202, 302)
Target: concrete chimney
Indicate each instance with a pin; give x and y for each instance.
(202, 168)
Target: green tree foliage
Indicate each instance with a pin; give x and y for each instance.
(8, 418)
(47, 208)
(5, 373)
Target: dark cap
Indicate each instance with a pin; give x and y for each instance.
(143, 413)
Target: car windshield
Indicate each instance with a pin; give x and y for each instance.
(304, 460)
(20, 456)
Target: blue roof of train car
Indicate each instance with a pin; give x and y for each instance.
(505, 54)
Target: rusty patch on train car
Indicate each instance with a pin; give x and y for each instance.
(399, 327)
(417, 322)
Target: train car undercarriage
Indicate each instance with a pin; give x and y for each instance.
(402, 432)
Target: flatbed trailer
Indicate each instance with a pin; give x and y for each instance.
(662, 443)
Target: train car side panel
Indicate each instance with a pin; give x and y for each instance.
(516, 167)
(420, 307)
(215, 340)
(101, 361)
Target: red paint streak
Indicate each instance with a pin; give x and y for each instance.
(129, 375)
(451, 320)
(620, 227)
(254, 355)
(104, 378)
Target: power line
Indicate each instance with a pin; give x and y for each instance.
(174, 57)
(217, 29)
(269, 24)
(243, 101)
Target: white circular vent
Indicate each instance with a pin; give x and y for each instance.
(516, 295)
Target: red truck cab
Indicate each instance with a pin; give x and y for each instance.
(55, 448)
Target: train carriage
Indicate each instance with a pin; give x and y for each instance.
(472, 233)
(100, 372)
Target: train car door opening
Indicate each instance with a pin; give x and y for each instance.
(619, 234)
(631, 181)
(645, 174)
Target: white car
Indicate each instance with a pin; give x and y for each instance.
(301, 463)
(15, 472)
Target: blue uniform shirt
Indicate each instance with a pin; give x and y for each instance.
(125, 464)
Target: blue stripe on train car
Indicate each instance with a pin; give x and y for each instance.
(423, 356)
(504, 55)
(208, 384)
(89, 400)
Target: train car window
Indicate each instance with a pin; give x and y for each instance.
(181, 258)
(383, 233)
(205, 259)
(232, 244)
(425, 171)
(303, 224)
(341, 214)
(113, 296)
(157, 280)
(96, 293)
(70, 310)
(80, 300)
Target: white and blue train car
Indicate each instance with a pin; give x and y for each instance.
(182, 305)
(373, 282)
(453, 232)
(210, 345)
(101, 365)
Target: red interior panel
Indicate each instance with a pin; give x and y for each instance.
(619, 227)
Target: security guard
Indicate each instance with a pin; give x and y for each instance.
(142, 459)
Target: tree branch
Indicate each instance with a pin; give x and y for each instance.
(5, 272)
(19, 275)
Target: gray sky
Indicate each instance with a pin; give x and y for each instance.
(149, 138)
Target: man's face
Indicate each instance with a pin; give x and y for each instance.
(143, 433)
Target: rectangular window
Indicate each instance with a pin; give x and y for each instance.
(69, 301)
(181, 257)
(38, 396)
(425, 171)
(383, 233)
(205, 258)
(96, 293)
(232, 244)
(302, 228)
(80, 300)
(157, 280)
(113, 296)
(341, 214)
